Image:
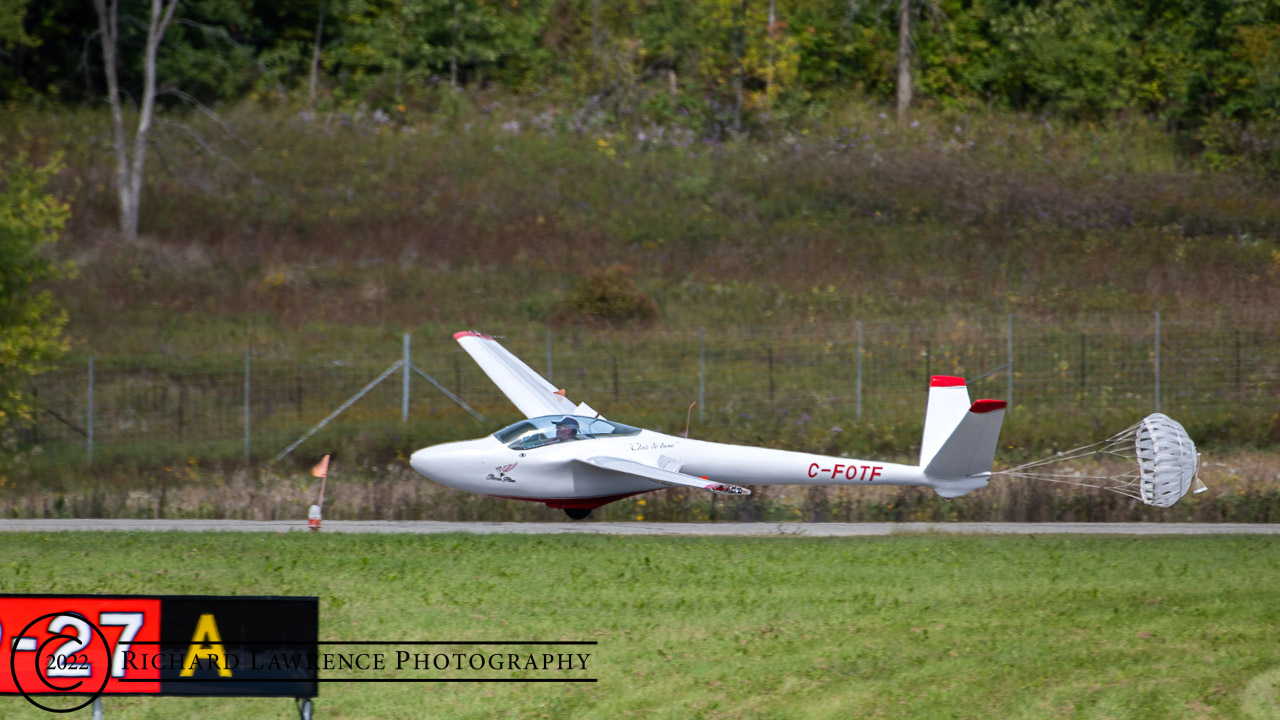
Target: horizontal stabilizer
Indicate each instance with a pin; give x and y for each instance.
(971, 447)
(662, 477)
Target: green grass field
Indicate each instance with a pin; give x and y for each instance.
(901, 627)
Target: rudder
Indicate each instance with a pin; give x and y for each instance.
(970, 449)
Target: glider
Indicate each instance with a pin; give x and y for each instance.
(568, 456)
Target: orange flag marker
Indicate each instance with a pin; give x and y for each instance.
(321, 470)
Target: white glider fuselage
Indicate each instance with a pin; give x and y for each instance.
(567, 456)
(550, 472)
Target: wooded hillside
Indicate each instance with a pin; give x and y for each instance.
(1209, 71)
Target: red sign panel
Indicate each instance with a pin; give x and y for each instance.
(57, 645)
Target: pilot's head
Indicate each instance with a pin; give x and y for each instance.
(566, 428)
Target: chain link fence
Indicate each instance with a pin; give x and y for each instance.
(251, 407)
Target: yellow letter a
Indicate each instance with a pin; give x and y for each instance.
(206, 644)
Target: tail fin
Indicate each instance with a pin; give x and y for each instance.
(948, 403)
(960, 439)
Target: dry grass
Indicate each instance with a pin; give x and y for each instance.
(1243, 487)
(351, 219)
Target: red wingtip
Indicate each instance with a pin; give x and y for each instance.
(986, 406)
(946, 381)
(470, 333)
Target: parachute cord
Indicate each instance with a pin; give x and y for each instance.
(1064, 457)
(1069, 455)
(1079, 476)
(1122, 490)
(1101, 447)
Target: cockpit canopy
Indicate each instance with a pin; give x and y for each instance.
(539, 431)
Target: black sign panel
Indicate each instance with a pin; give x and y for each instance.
(268, 643)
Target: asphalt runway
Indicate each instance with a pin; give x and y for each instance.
(427, 527)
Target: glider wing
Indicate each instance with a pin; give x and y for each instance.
(527, 390)
(662, 477)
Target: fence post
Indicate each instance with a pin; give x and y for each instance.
(404, 394)
(771, 387)
(928, 362)
(247, 419)
(1157, 361)
(858, 382)
(1010, 353)
(1083, 366)
(615, 378)
(89, 416)
(35, 413)
(549, 356)
(1237, 363)
(702, 377)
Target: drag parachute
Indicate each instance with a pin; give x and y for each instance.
(1161, 457)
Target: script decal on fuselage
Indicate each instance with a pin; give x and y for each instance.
(849, 472)
(502, 474)
(652, 446)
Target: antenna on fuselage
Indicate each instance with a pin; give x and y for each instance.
(687, 417)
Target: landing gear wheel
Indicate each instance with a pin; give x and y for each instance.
(577, 513)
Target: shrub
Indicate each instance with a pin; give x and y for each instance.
(607, 297)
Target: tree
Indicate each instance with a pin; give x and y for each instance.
(14, 42)
(904, 58)
(386, 47)
(11, 30)
(906, 49)
(30, 324)
(314, 75)
(131, 156)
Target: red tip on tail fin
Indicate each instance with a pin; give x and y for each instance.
(986, 406)
(470, 333)
(948, 404)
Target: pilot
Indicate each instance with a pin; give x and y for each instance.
(566, 429)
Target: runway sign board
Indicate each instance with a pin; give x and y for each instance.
(188, 645)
